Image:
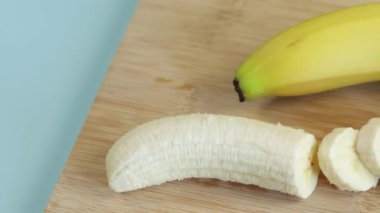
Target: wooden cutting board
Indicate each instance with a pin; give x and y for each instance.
(178, 57)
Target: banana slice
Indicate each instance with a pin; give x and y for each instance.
(340, 163)
(214, 146)
(368, 145)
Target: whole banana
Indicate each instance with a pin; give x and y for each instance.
(331, 51)
(214, 146)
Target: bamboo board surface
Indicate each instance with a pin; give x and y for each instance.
(179, 57)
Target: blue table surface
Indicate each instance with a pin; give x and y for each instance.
(53, 56)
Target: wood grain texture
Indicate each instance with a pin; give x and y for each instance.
(179, 57)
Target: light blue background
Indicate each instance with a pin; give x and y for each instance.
(53, 56)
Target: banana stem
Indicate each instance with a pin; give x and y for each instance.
(238, 90)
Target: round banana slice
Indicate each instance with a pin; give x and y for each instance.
(340, 163)
(368, 145)
(214, 146)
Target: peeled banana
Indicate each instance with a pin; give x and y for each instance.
(214, 146)
(331, 51)
(340, 163)
(368, 145)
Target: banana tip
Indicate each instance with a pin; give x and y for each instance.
(238, 90)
